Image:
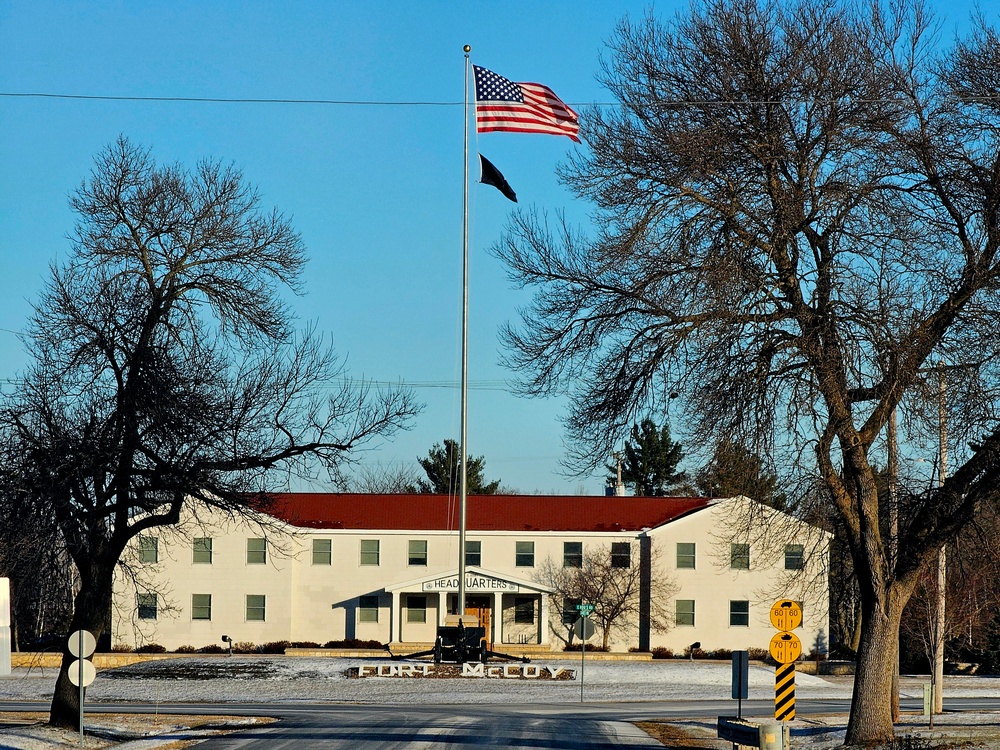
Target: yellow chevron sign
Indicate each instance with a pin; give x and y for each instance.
(784, 692)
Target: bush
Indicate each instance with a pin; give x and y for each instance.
(121, 648)
(354, 643)
(720, 653)
(245, 647)
(212, 648)
(151, 648)
(274, 647)
(662, 652)
(579, 647)
(304, 644)
(184, 650)
(759, 654)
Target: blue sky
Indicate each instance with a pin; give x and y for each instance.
(375, 190)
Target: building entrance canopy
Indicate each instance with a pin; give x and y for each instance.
(477, 581)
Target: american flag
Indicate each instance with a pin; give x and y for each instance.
(504, 105)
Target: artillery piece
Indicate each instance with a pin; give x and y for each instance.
(458, 643)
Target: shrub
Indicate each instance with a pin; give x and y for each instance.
(121, 648)
(184, 650)
(662, 652)
(695, 653)
(245, 647)
(354, 643)
(304, 644)
(720, 653)
(758, 654)
(274, 647)
(212, 648)
(150, 648)
(579, 647)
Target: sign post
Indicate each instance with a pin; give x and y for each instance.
(81, 672)
(741, 679)
(785, 648)
(583, 628)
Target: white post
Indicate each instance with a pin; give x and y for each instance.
(4, 627)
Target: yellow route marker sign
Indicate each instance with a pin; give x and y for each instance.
(786, 614)
(786, 648)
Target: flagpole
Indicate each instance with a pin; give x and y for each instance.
(463, 481)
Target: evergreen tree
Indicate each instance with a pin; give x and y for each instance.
(649, 463)
(444, 465)
(735, 470)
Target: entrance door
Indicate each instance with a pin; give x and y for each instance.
(479, 606)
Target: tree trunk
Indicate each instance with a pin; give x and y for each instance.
(871, 707)
(90, 612)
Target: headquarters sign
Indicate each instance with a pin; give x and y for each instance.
(473, 582)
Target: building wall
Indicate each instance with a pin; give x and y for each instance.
(315, 601)
(713, 584)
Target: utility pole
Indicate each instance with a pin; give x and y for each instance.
(942, 568)
(893, 541)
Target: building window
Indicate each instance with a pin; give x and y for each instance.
(739, 556)
(417, 552)
(572, 554)
(322, 552)
(685, 555)
(369, 551)
(147, 606)
(794, 556)
(149, 549)
(201, 606)
(524, 610)
(474, 553)
(621, 555)
(570, 613)
(203, 550)
(524, 554)
(684, 612)
(416, 609)
(256, 551)
(255, 607)
(739, 613)
(368, 609)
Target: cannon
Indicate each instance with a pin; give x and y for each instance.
(458, 643)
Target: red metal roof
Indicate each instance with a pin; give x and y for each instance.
(483, 512)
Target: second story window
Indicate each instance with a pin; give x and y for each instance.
(474, 553)
(149, 549)
(369, 552)
(621, 555)
(417, 552)
(739, 556)
(794, 556)
(685, 555)
(572, 554)
(322, 552)
(202, 550)
(256, 551)
(524, 554)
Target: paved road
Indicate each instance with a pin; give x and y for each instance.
(304, 726)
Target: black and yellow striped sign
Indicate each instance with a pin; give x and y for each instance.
(784, 692)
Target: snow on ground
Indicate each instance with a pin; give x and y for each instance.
(274, 679)
(223, 679)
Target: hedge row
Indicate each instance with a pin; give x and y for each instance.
(245, 647)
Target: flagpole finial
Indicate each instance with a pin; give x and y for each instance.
(467, 49)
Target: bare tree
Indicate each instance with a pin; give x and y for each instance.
(165, 371)
(796, 209)
(608, 578)
(381, 480)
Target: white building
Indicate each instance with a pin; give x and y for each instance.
(327, 567)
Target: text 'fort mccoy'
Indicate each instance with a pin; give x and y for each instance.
(471, 669)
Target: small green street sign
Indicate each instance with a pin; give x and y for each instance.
(585, 609)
